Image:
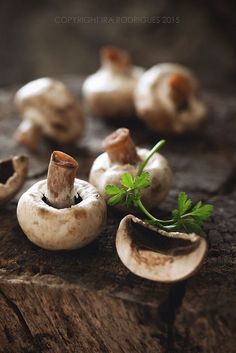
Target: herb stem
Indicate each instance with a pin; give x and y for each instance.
(185, 217)
(151, 217)
(152, 152)
(145, 211)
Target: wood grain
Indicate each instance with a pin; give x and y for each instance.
(86, 300)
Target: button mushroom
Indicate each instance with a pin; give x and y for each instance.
(13, 172)
(166, 98)
(61, 213)
(157, 255)
(109, 92)
(47, 108)
(122, 156)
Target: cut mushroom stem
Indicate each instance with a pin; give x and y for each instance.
(115, 58)
(120, 147)
(28, 134)
(180, 88)
(60, 181)
(157, 255)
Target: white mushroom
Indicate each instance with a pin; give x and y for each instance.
(157, 255)
(61, 213)
(109, 92)
(166, 98)
(48, 108)
(13, 172)
(122, 156)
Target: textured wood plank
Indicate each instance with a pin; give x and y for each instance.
(207, 320)
(86, 300)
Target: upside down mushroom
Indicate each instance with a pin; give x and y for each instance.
(13, 172)
(167, 99)
(61, 213)
(108, 93)
(123, 156)
(156, 254)
(47, 108)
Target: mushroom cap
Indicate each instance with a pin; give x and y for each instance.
(157, 255)
(109, 93)
(51, 106)
(103, 172)
(13, 172)
(155, 105)
(61, 229)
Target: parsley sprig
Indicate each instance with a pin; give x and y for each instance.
(186, 217)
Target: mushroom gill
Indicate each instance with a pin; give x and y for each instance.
(6, 170)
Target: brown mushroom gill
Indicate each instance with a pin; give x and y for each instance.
(144, 238)
(6, 170)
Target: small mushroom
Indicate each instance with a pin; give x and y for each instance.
(167, 99)
(61, 213)
(47, 108)
(13, 172)
(123, 156)
(157, 255)
(109, 92)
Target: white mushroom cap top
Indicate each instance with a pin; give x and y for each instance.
(166, 98)
(61, 229)
(13, 172)
(61, 213)
(122, 156)
(48, 108)
(157, 255)
(109, 92)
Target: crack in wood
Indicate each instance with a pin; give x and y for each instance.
(168, 309)
(86, 300)
(13, 306)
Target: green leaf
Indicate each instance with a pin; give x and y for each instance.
(112, 190)
(185, 217)
(203, 212)
(190, 226)
(184, 203)
(197, 206)
(175, 214)
(116, 199)
(142, 181)
(127, 180)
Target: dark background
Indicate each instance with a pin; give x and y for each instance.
(32, 44)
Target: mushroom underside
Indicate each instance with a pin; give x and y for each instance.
(6, 170)
(13, 172)
(158, 255)
(77, 199)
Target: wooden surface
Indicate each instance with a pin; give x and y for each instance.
(86, 300)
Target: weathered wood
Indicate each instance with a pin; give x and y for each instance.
(86, 300)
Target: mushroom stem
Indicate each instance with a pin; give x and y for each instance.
(28, 134)
(115, 58)
(120, 147)
(60, 181)
(179, 88)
